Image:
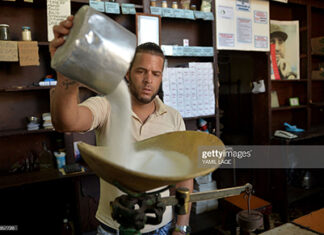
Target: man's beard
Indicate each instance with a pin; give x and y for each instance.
(134, 92)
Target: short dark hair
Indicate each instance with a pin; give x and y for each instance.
(148, 47)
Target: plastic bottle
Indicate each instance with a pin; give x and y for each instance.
(46, 158)
(66, 228)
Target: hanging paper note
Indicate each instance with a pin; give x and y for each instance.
(28, 53)
(128, 8)
(112, 7)
(57, 11)
(8, 51)
(98, 5)
(156, 11)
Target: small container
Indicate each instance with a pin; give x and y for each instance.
(164, 4)
(60, 159)
(153, 3)
(4, 32)
(193, 7)
(174, 5)
(26, 33)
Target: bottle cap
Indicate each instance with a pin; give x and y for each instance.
(65, 220)
(25, 27)
(4, 25)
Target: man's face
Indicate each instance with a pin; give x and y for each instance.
(280, 47)
(145, 77)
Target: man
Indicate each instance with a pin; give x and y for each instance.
(278, 37)
(150, 117)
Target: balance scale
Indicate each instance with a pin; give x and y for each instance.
(132, 219)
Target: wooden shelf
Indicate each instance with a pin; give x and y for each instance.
(303, 29)
(290, 81)
(43, 43)
(24, 132)
(318, 80)
(81, 1)
(20, 179)
(25, 88)
(183, 56)
(318, 55)
(193, 118)
(295, 194)
(302, 56)
(314, 132)
(317, 104)
(139, 6)
(289, 108)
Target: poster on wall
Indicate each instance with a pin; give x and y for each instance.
(242, 25)
(284, 44)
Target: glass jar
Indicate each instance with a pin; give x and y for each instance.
(164, 4)
(4, 32)
(174, 5)
(153, 3)
(193, 7)
(26, 33)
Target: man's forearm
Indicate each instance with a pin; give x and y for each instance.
(64, 103)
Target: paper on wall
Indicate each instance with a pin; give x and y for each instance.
(57, 11)
(242, 25)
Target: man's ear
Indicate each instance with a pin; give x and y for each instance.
(127, 76)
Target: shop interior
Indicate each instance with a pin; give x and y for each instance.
(248, 102)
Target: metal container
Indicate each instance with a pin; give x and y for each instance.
(4, 32)
(97, 52)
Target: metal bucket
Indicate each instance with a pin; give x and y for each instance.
(97, 52)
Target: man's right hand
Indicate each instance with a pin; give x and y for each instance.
(60, 31)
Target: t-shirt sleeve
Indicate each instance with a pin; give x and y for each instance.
(181, 124)
(100, 109)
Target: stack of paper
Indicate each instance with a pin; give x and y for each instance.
(190, 90)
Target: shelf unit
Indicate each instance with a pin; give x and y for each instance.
(200, 33)
(309, 91)
(20, 98)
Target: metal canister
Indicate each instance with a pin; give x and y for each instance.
(4, 32)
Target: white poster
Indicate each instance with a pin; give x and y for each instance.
(242, 25)
(284, 39)
(244, 30)
(57, 11)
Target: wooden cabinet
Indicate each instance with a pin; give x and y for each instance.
(199, 33)
(21, 98)
(309, 114)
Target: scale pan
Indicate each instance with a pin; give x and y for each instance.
(185, 142)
